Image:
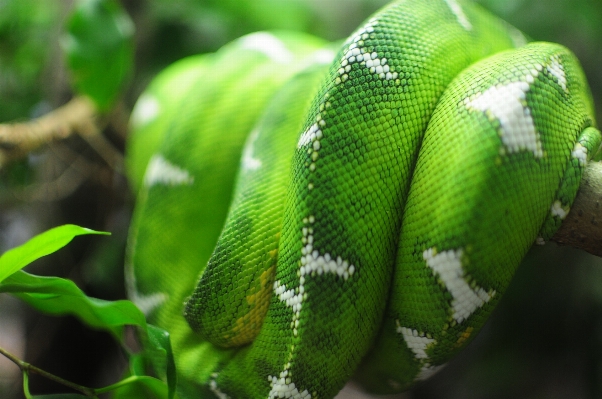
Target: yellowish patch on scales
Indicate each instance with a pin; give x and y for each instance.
(248, 326)
(464, 337)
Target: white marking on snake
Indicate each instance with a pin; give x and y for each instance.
(161, 171)
(556, 69)
(312, 264)
(459, 13)
(146, 110)
(283, 387)
(215, 389)
(309, 136)
(248, 161)
(322, 56)
(517, 37)
(419, 343)
(269, 45)
(506, 103)
(148, 303)
(145, 302)
(448, 266)
(358, 52)
(580, 153)
(558, 210)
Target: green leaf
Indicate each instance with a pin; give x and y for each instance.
(160, 344)
(57, 296)
(139, 387)
(157, 352)
(41, 245)
(99, 49)
(60, 396)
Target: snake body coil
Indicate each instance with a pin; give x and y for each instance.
(381, 205)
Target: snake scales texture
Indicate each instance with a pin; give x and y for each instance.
(330, 212)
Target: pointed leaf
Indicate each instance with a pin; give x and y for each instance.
(139, 387)
(39, 246)
(58, 296)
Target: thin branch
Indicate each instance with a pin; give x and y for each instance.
(69, 180)
(27, 368)
(582, 227)
(19, 139)
(93, 136)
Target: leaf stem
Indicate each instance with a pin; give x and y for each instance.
(26, 384)
(26, 368)
(118, 384)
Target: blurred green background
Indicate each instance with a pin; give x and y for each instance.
(544, 340)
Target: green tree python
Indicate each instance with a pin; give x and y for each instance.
(329, 212)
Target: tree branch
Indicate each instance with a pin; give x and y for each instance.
(19, 139)
(27, 368)
(582, 227)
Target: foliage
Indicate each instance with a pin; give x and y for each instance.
(58, 296)
(16, 259)
(99, 49)
(25, 56)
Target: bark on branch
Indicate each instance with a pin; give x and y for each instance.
(582, 227)
(19, 139)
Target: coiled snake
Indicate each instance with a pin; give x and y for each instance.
(351, 213)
